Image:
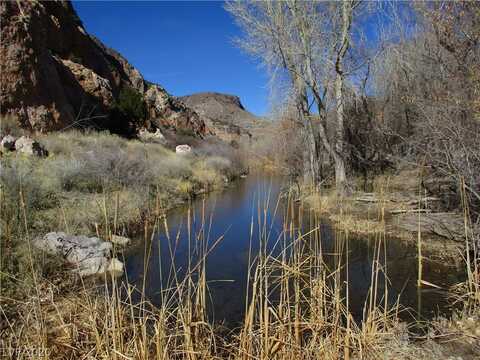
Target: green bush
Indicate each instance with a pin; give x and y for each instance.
(130, 104)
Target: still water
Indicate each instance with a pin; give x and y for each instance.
(234, 216)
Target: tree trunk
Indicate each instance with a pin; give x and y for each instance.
(313, 157)
(311, 166)
(340, 175)
(312, 143)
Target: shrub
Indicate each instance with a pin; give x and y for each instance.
(130, 103)
(128, 112)
(222, 157)
(84, 167)
(19, 176)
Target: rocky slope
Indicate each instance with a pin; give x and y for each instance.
(54, 75)
(223, 113)
(221, 107)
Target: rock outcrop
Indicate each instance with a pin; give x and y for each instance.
(24, 145)
(92, 83)
(167, 111)
(55, 75)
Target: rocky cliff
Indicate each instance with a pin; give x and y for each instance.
(54, 75)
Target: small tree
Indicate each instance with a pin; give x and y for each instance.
(128, 113)
(131, 105)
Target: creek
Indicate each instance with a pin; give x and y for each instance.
(236, 216)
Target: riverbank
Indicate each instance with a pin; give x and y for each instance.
(312, 319)
(399, 207)
(97, 184)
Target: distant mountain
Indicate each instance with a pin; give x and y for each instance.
(223, 113)
(221, 107)
(55, 76)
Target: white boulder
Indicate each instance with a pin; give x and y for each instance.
(183, 149)
(8, 143)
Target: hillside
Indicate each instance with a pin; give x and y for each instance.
(224, 114)
(223, 108)
(56, 76)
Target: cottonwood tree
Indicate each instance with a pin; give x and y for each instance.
(307, 42)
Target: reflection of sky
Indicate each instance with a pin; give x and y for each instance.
(231, 212)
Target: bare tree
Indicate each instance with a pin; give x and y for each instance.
(342, 48)
(308, 42)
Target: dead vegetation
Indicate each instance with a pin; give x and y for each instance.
(297, 307)
(423, 111)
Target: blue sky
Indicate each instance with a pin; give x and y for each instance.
(184, 46)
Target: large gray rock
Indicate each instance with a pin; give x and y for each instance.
(28, 146)
(7, 143)
(89, 255)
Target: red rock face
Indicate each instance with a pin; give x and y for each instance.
(54, 75)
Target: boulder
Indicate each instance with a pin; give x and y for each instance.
(7, 143)
(115, 266)
(183, 149)
(89, 255)
(28, 146)
(147, 136)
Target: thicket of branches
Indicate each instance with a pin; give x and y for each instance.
(369, 86)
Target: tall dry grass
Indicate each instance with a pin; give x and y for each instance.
(297, 304)
(86, 172)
